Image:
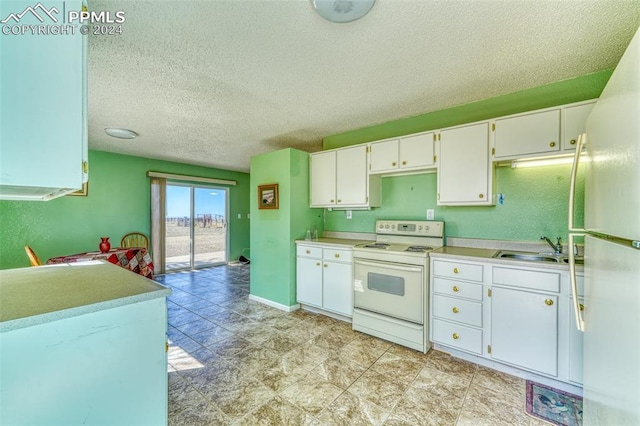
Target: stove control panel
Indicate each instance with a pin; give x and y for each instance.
(424, 228)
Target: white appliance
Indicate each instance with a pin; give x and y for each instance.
(611, 321)
(390, 281)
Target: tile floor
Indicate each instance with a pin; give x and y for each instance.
(233, 361)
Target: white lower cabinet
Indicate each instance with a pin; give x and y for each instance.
(456, 305)
(517, 316)
(309, 281)
(336, 287)
(524, 329)
(323, 278)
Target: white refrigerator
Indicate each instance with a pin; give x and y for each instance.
(611, 316)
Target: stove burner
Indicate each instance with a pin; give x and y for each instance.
(419, 249)
(377, 245)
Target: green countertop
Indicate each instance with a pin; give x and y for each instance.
(32, 296)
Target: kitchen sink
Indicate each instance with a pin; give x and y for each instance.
(536, 257)
(530, 257)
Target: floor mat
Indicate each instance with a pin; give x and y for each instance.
(553, 405)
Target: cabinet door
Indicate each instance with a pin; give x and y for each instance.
(337, 292)
(524, 329)
(416, 152)
(384, 156)
(351, 176)
(464, 170)
(574, 124)
(575, 346)
(43, 103)
(534, 133)
(309, 281)
(323, 179)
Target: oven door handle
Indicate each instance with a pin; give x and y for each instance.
(389, 266)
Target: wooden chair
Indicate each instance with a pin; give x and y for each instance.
(134, 239)
(33, 257)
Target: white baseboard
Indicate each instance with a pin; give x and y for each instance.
(274, 304)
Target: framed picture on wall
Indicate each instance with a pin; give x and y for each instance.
(268, 196)
(81, 192)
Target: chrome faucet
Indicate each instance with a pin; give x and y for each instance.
(557, 248)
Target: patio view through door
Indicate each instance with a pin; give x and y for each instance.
(195, 226)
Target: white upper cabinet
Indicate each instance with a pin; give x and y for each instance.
(574, 119)
(527, 134)
(416, 151)
(384, 156)
(351, 177)
(407, 153)
(339, 179)
(323, 178)
(465, 173)
(43, 137)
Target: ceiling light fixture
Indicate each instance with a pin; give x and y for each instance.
(120, 133)
(342, 10)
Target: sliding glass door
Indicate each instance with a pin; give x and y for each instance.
(196, 226)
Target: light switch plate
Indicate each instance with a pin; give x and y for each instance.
(349, 214)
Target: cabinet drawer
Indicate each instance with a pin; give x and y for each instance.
(309, 251)
(459, 310)
(337, 255)
(457, 336)
(535, 280)
(457, 270)
(457, 288)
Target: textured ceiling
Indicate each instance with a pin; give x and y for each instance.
(215, 82)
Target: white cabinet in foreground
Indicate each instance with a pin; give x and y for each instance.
(83, 344)
(43, 136)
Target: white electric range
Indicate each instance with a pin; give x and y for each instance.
(391, 281)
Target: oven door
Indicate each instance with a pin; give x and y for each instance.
(392, 289)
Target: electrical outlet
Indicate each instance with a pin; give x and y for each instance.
(239, 215)
(248, 215)
(501, 199)
(349, 214)
(431, 214)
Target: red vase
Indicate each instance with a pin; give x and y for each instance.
(104, 245)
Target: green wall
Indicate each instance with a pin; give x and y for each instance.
(535, 204)
(118, 202)
(536, 199)
(563, 92)
(273, 232)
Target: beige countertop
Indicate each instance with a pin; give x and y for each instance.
(36, 295)
(483, 254)
(342, 242)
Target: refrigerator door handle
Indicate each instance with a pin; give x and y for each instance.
(582, 139)
(574, 283)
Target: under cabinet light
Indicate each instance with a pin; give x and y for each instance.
(538, 162)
